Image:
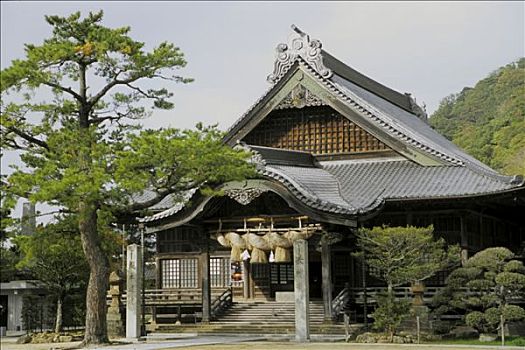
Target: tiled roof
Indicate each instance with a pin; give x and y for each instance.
(350, 187)
(406, 123)
(167, 202)
(348, 73)
(365, 184)
(315, 187)
(358, 186)
(176, 206)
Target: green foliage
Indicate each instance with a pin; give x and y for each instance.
(84, 145)
(9, 258)
(54, 256)
(514, 266)
(509, 341)
(399, 255)
(511, 280)
(513, 313)
(488, 121)
(490, 259)
(483, 288)
(476, 319)
(82, 148)
(390, 313)
(490, 320)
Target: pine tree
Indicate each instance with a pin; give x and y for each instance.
(82, 147)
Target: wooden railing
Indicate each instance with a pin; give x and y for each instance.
(402, 292)
(167, 297)
(399, 292)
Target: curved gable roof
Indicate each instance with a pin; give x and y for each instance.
(352, 187)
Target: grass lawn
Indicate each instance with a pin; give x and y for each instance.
(509, 341)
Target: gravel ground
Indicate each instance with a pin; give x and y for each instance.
(232, 343)
(337, 346)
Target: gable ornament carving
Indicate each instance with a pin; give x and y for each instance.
(299, 45)
(244, 196)
(300, 97)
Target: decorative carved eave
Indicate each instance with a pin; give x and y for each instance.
(299, 45)
(245, 196)
(300, 97)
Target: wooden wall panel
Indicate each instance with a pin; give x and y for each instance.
(319, 130)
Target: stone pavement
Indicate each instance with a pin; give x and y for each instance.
(344, 346)
(239, 342)
(152, 343)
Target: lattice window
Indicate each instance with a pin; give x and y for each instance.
(259, 271)
(179, 273)
(282, 273)
(342, 266)
(320, 130)
(220, 271)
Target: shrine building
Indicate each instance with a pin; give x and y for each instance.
(335, 151)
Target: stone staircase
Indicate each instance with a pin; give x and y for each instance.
(260, 317)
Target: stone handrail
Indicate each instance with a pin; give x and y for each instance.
(222, 302)
(340, 301)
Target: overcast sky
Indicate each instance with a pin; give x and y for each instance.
(430, 49)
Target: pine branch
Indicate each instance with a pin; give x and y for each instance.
(65, 89)
(108, 87)
(29, 138)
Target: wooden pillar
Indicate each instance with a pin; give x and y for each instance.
(301, 291)
(464, 240)
(206, 286)
(326, 270)
(410, 218)
(482, 232)
(158, 285)
(251, 282)
(246, 279)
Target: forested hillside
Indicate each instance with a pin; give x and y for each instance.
(488, 121)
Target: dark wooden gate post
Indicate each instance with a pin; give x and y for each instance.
(206, 285)
(301, 290)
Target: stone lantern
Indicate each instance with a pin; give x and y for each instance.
(115, 318)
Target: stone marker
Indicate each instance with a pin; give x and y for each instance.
(133, 291)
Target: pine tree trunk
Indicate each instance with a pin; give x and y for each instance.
(58, 322)
(96, 328)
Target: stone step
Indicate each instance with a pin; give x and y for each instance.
(267, 317)
(254, 324)
(269, 313)
(269, 307)
(258, 321)
(214, 328)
